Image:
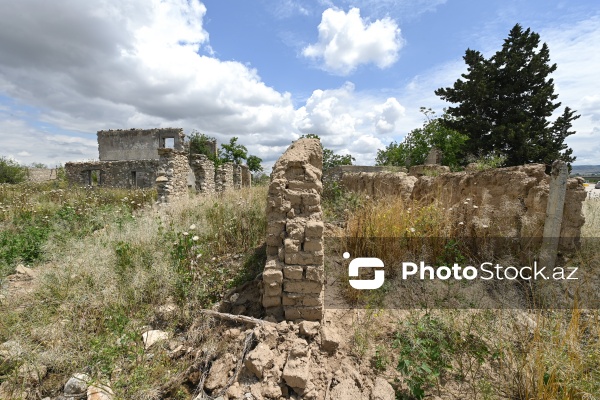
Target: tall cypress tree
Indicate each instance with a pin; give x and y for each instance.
(504, 103)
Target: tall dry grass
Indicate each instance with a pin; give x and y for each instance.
(522, 354)
(96, 292)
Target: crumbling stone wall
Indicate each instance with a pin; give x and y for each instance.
(204, 172)
(137, 144)
(246, 176)
(42, 174)
(293, 276)
(429, 170)
(224, 177)
(171, 182)
(237, 176)
(377, 184)
(335, 174)
(121, 174)
(502, 202)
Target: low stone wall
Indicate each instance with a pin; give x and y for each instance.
(293, 276)
(502, 202)
(428, 170)
(121, 174)
(42, 174)
(171, 182)
(336, 173)
(204, 172)
(377, 184)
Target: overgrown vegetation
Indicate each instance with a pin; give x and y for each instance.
(234, 152)
(109, 267)
(470, 354)
(415, 147)
(11, 171)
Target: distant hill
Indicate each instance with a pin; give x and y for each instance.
(584, 170)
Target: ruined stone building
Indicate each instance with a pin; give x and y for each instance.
(144, 158)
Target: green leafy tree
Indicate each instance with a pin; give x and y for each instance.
(504, 103)
(11, 171)
(330, 159)
(200, 143)
(416, 145)
(253, 163)
(233, 151)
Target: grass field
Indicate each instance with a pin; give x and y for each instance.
(109, 265)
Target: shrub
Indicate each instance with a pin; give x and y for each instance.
(11, 171)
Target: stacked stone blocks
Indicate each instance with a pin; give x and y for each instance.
(224, 177)
(294, 273)
(246, 176)
(237, 176)
(171, 182)
(204, 173)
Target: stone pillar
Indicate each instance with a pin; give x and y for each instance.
(224, 177)
(434, 157)
(237, 176)
(554, 213)
(246, 176)
(293, 276)
(204, 173)
(171, 182)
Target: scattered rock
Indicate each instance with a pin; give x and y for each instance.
(232, 333)
(382, 390)
(219, 372)
(259, 360)
(100, 392)
(271, 390)
(152, 337)
(309, 328)
(296, 371)
(177, 352)
(235, 391)
(10, 351)
(76, 386)
(32, 374)
(23, 270)
(330, 340)
(346, 390)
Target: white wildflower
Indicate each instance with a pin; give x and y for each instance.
(192, 227)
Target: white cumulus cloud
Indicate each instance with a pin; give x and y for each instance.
(350, 122)
(346, 41)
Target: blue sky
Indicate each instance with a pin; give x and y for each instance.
(353, 72)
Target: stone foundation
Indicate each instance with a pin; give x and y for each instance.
(293, 276)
